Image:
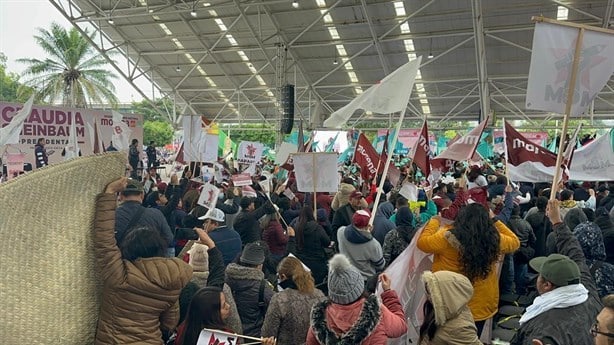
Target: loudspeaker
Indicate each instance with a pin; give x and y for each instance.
(287, 106)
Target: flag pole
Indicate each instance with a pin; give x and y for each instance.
(507, 166)
(380, 188)
(568, 104)
(315, 182)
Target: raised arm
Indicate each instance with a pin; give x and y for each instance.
(108, 256)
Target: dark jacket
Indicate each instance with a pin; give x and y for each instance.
(541, 228)
(342, 217)
(591, 240)
(245, 285)
(398, 239)
(228, 242)
(140, 297)
(275, 238)
(151, 217)
(41, 156)
(247, 225)
(312, 254)
(523, 231)
(133, 154)
(565, 326)
(607, 229)
(382, 223)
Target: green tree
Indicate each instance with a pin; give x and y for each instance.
(164, 105)
(252, 132)
(159, 131)
(10, 85)
(73, 73)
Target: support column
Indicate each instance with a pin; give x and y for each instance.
(480, 57)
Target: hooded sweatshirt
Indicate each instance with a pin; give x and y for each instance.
(450, 292)
(591, 240)
(363, 251)
(382, 224)
(343, 196)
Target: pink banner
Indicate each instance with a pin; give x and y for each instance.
(53, 124)
(14, 164)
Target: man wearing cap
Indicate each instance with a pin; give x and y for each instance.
(343, 216)
(251, 291)
(568, 301)
(357, 243)
(131, 214)
(227, 240)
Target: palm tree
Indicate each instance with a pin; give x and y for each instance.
(73, 73)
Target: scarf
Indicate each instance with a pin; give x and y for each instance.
(563, 297)
(568, 204)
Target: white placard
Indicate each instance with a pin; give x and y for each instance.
(249, 152)
(208, 196)
(325, 172)
(284, 150)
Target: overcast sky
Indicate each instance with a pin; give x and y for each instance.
(19, 20)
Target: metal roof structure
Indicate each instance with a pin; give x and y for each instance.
(227, 59)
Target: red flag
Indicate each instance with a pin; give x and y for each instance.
(527, 161)
(301, 139)
(461, 150)
(97, 148)
(179, 157)
(422, 150)
(367, 158)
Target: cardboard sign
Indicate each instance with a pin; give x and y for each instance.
(240, 180)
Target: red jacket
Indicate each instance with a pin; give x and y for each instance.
(275, 237)
(340, 319)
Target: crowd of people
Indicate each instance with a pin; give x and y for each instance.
(267, 263)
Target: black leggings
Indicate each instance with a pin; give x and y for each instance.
(480, 326)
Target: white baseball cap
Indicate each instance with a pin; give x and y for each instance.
(214, 214)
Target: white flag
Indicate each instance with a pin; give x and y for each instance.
(121, 132)
(196, 141)
(10, 133)
(595, 161)
(391, 95)
(551, 65)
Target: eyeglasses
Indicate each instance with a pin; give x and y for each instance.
(595, 331)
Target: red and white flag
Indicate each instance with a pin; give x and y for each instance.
(367, 158)
(569, 151)
(551, 67)
(121, 132)
(527, 161)
(461, 150)
(422, 151)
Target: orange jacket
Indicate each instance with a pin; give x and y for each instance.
(445, 247)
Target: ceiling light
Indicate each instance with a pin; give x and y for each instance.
(193, 13)
(430, 55)
(110, 21)
(295, 4)
(178, 69)
(335, 62)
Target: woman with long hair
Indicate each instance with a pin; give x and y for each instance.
(307, 242)
(299, 294)
(447, 319)
(471, 246)
(208, 309)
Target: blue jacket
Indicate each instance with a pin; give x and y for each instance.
(228, 242)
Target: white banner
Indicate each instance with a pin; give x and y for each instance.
(249, 152)
(209, 152)
(551, 64)
(595, 161)
(10, 133)
(323, 167)
(208, 195)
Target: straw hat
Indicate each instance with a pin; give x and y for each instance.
(51, 295)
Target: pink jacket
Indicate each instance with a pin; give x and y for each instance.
(329, 319)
